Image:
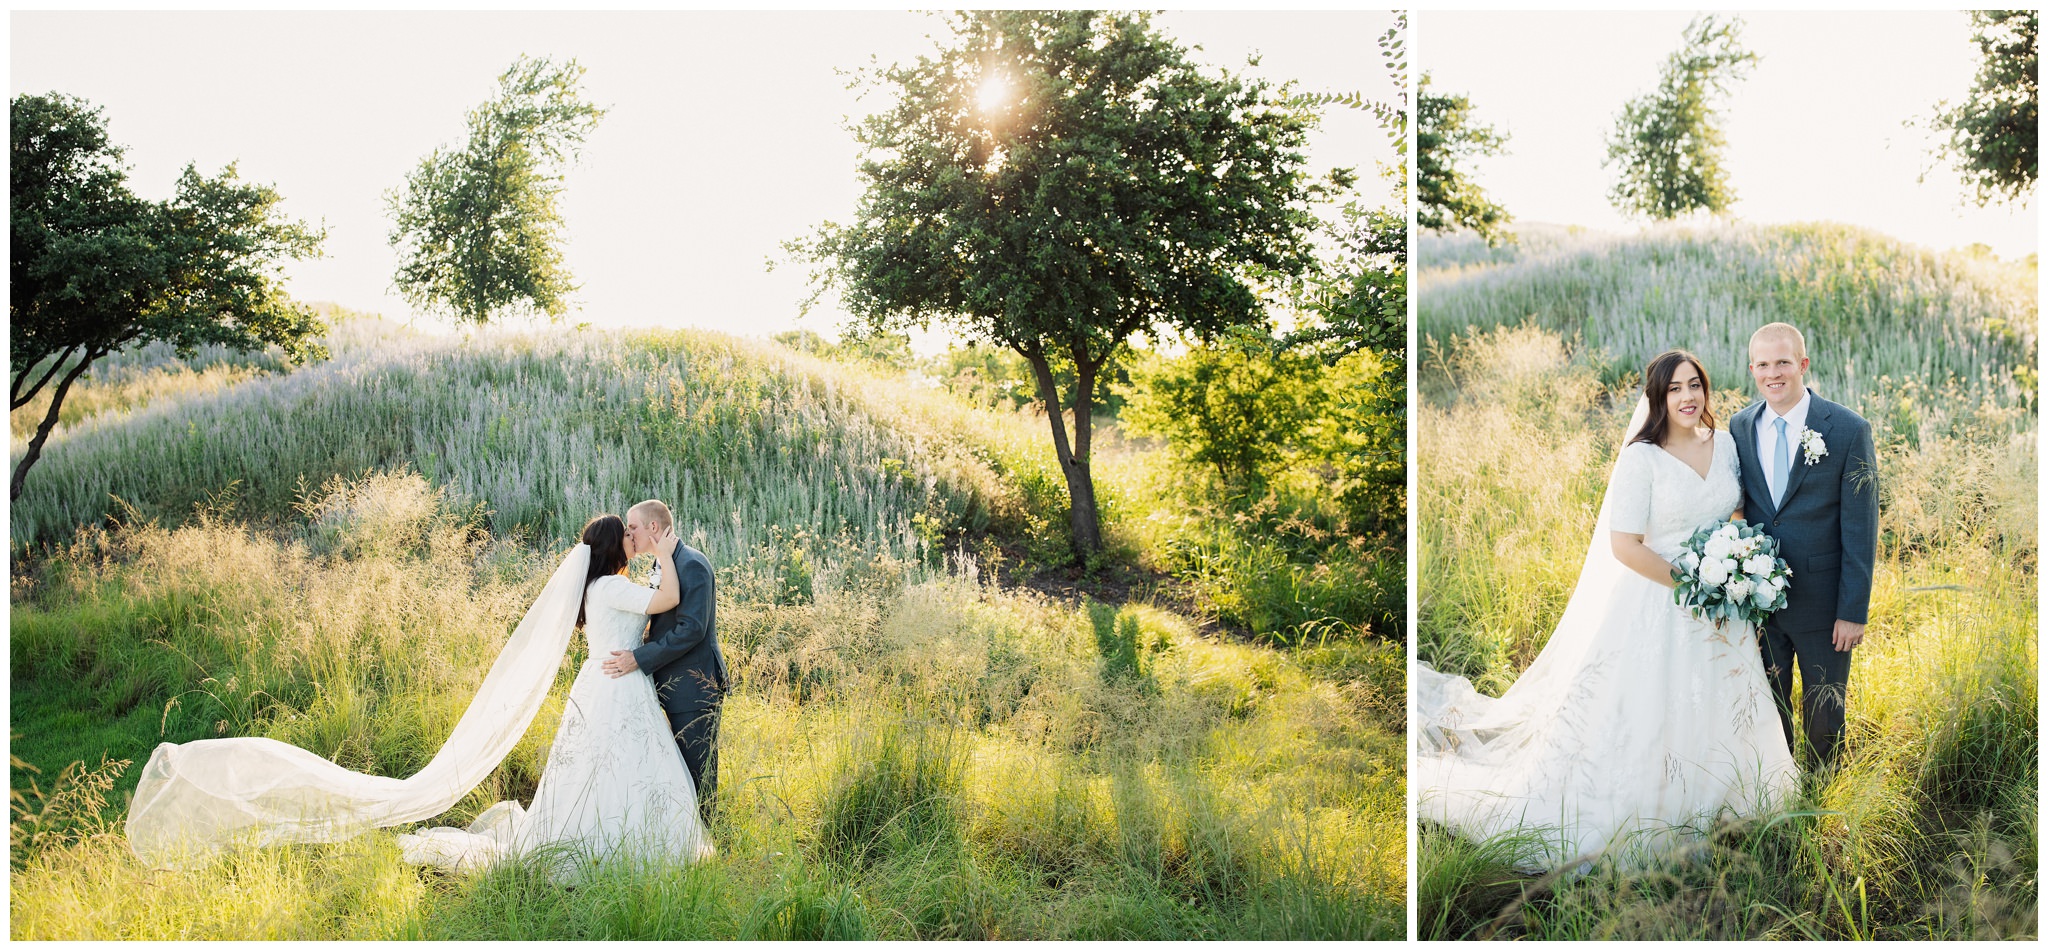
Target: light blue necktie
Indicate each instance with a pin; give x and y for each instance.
(1781, 464)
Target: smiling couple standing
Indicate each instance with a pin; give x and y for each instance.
(1638, 719)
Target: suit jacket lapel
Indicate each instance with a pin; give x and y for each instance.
(1816, 420)
(1743, 428)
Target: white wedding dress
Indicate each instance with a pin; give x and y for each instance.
(615, 783)
(1637, 725)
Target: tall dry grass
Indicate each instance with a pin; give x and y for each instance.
(909, 753)
(767, 456)
(331, 556)
(1927, 829)
(1876, 311)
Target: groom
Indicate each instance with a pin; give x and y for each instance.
(681, 652)
(1809, 479)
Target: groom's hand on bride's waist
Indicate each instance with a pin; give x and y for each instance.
(1847, 634)
(622, 663)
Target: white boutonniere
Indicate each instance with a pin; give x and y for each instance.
(1812, 445)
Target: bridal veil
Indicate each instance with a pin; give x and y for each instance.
(195, 798)
(1455, 719)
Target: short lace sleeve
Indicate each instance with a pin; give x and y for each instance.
(1628, 492)
(619, 594)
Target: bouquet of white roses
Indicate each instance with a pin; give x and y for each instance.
(1731, 571)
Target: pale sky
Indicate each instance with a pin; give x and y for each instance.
(724, 134)
(1814, 133)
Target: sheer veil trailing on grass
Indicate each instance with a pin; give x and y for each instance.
(1456, 720)
(196, 798)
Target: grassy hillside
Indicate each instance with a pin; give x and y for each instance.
(1876, 312)
(1929, 828)
(542, 430)
(913, 750)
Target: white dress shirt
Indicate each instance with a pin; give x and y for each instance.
(1767, 439)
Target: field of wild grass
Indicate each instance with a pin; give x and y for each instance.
(330, 556)
(1929, 827)
(1915, 317)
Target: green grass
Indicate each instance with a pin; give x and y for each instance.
(912, 751)
(1876, 312)
(1927, 829)
(543, 431)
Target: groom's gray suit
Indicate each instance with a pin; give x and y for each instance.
(1826, 527)
(682, 656)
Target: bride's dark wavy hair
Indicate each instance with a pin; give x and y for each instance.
(1657, 381)
(606, 536)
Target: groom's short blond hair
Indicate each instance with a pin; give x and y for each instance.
(654, 512)
(1782, 329)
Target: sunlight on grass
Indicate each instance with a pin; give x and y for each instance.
(1926, 830)
(912, 750)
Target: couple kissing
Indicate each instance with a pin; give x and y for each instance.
(631, 772)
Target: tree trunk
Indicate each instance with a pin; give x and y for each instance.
(22, 393)
(1083, 521)
(35, 446)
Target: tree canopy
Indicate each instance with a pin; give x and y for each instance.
(1056, 182)
(96, 269)
(1994, 135)
(1447, 135)
(1355, 295)
(1668, 143)
(478, 229)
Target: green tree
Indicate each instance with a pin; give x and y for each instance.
(805, 340)
(1994, 136)
(1446, 136)
(1355, 296)
(478, 230)
(1251, 410)
(95, 269)
(886, 350)
(1056, 182)
(1000, 378)
(1356, 440)
(990, 377)
(1237, 405)
(1668, 143)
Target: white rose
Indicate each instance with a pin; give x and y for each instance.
(1757, 565)
(1738, 589)
(1814, 447)
(1718, 547)
(1715, 570)
(1765, 594)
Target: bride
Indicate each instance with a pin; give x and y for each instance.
(614, 784)
(1637, 723)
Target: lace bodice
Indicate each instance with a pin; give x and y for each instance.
(1656, 494)
(615, 619)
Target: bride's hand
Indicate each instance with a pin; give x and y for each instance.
(670, 593)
